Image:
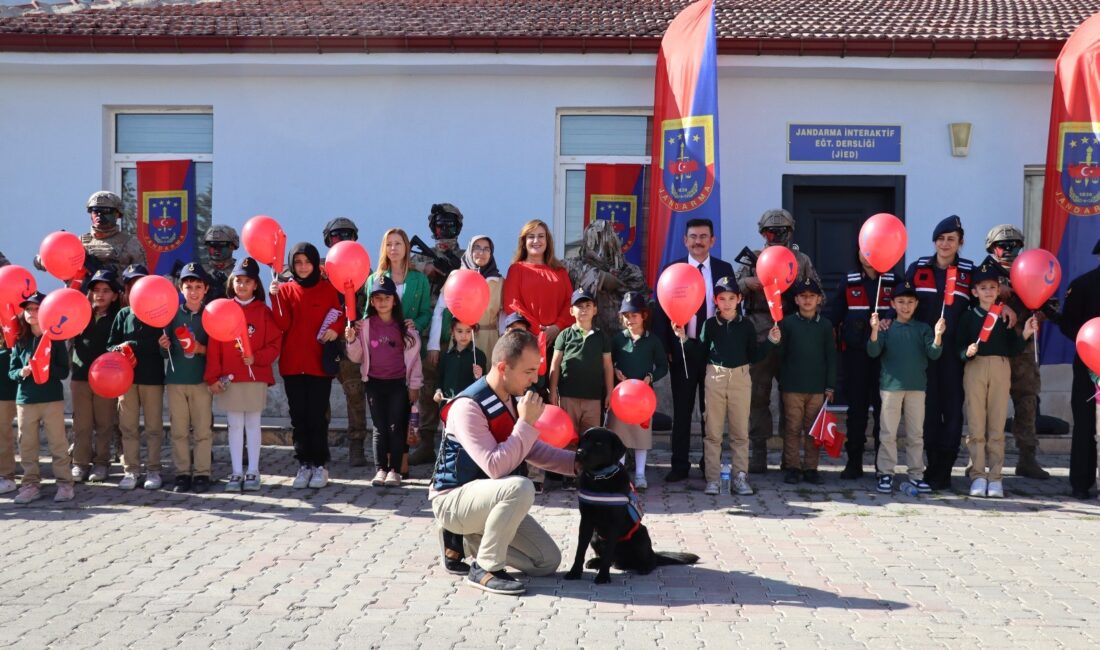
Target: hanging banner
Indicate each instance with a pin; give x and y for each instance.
(615, 193)
(166, 213)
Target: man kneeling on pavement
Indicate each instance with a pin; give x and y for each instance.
(479, 493)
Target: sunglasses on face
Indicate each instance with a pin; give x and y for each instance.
(1009, 246)
(776, 232)
(342, 235)
(102, 211)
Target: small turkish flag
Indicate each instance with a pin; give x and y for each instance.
(990, 322)
(949, 285)
(542, 352)
(825, 432)
(40, 361)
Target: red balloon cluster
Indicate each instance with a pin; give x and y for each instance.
(265, 241)
(62, 254)
(466, 294)
(1035, 276)
(154, 300)
(223, 320)
(110, 375)
(348, 267)
(556, 427)
(681, 290)
(633, 401)
(882, 241)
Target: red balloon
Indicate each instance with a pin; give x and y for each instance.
(466, 294)
(154, 300)
(633, 401)
(556, 427)
(223, 320)
(110, 375)
(681, 290)
(777, 264)
(16, 285)
(265, 241)
(882, 241)
(347, 265)
(1088, 344)
(1035, 276)
(64, 314)
(62, 254)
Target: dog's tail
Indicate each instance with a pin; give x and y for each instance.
(665, 558)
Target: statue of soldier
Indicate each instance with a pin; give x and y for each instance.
(777, 228)
(600, 268)
(1004, 243)
(445, 223)
(220, 241)
(106, 245)
(350, 375)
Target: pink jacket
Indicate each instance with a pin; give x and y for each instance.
(359, 352)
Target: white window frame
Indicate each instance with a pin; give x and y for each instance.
(116, 162)
(1032, 220)
(565, 164)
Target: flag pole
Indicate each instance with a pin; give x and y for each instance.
(170, 363)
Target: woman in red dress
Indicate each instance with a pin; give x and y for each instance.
(537, 285)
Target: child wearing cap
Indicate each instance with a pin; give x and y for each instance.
(40, 404)
(807, 375)
(138, 342)
(189, 400)
(462, 364)
(239, 383)
(729, 341)
(987, 379)
(94, 425)
(636, 354)
(906, 349)
(581, 372)
(389, 351)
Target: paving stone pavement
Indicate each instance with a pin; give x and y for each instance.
(351, 566)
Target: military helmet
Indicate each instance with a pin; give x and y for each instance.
(222, 232)
(105, 199)
(1003, 232)
(775, 218)
(339, 223)
(445, 221)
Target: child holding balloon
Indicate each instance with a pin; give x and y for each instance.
(985, 348)
(94, 424)
(138, 342)
(389, 351)
(240, 382)
(462, 364)
(40, 404)
(636, 354)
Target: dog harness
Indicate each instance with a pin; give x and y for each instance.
(454, 467)
(613, 500)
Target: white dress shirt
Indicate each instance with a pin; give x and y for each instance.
(693, 327)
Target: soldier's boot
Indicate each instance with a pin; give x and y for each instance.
(356, 457)
(758, 457)
(1028, 465)
(424, 454)
(853, 469)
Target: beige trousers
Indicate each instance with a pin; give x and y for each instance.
(728, 395)
(7, 439)
(491, 515)
(898, 404)
(51, 415)
(147, 400)
(190, 411)
(986, 382)
(799, 412)
(93, 425)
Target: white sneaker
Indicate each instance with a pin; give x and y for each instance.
(319, 478)
(78, 474)
(741, 484)
(640, 483)
(302, 478)
(978, 487)
(379, 478)
(996, 490)
(7, 485)
(712, 488)
(98, 475)
(128, 482)
(152, 481)
(393, 479)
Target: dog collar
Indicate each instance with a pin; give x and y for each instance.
(605, 473)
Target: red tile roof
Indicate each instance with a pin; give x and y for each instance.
(966, 28)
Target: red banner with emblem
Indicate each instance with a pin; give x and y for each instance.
(166, 213)
(616, 193)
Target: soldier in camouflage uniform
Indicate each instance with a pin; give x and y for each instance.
(220, 241)
(777, 228)
(600, 269)
(107, 247)
(350, 375)
(1004, 243)
(445, 222)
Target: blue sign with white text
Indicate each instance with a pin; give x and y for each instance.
(855, 143)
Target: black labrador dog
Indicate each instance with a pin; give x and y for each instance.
(610, 518)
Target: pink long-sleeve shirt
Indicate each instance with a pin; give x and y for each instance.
(468, 425)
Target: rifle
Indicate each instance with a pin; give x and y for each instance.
(444, 263)
(746, 257)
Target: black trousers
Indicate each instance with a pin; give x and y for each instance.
(861, 386)
(389, 410)
(685, 391)
(1082, 459)
(308, 399)
(943, 411)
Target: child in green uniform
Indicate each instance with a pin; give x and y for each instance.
(461, 365)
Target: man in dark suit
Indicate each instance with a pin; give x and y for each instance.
(698, 240)
(1082, 305)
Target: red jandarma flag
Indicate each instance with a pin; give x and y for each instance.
(990, 322)
(826, 434)
(40, 361)
(949, 285)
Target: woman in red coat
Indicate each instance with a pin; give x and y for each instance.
(308, 311)
(537, 285)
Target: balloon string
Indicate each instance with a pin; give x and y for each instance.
(170, 363)
(1035, 340)
(275, 296)
(250, 373)
(683, 355)
(878, 292)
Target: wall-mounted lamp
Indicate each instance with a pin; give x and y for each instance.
(960, 138)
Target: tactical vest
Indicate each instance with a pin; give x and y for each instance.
(453, 466)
